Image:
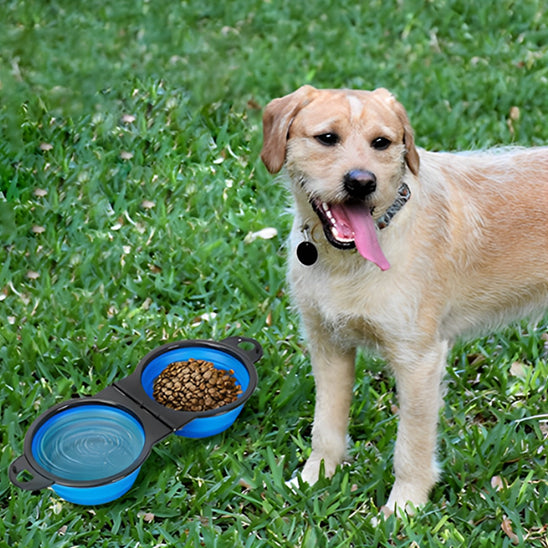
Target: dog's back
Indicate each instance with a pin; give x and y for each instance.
(495, 240)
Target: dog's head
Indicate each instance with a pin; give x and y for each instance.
(345, 151)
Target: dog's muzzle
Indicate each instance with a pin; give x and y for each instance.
(350, 224)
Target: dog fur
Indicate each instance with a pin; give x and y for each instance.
(467, 252)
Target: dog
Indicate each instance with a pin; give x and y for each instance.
(403, 250)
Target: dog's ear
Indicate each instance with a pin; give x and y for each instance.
(277, 118)
(411, 154)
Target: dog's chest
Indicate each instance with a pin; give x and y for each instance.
(355, 304)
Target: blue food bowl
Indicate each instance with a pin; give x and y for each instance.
(90, 450)
(210, 422)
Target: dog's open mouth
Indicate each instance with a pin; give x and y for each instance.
(348, 225)
(335, 223)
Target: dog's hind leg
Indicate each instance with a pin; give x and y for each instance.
(334, 376)
(419, 377)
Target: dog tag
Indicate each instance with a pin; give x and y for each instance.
(307, 253)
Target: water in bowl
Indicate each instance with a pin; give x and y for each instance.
(88, 442)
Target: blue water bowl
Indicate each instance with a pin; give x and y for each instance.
(227, 358)
(88, 451)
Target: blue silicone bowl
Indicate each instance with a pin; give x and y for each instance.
(214, 421)
(88, 451)
(87, 443)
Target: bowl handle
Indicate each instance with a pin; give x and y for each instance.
(254, 354)
(34, 482)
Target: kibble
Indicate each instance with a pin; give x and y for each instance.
(195, 385)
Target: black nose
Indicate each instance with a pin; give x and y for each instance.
(360, 183)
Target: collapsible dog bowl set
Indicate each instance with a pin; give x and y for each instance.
(89, 450)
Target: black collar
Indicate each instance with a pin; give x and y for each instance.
(403, 195)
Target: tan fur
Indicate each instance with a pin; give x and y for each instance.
(468, 251)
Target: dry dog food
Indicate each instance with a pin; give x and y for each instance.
(195, 385)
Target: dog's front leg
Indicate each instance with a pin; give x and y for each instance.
(333, 370)
(419, 383)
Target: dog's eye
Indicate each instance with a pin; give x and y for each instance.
(381, 143)
(328, 139)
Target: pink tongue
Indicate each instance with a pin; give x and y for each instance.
(365, 235)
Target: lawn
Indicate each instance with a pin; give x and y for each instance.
(132, 201)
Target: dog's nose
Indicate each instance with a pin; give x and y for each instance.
(360, 183)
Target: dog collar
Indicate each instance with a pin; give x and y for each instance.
(403, 195)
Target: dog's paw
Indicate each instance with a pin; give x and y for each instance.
(405, 497)
(301, 479)
(318, 466)
(383, 515)
(384, 512)
(315, 468)
(294, 484)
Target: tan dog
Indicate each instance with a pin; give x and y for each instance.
(444, 244)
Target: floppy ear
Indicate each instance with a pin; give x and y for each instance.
(277, 119)
(411, 154)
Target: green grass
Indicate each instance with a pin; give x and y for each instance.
(129, 180)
